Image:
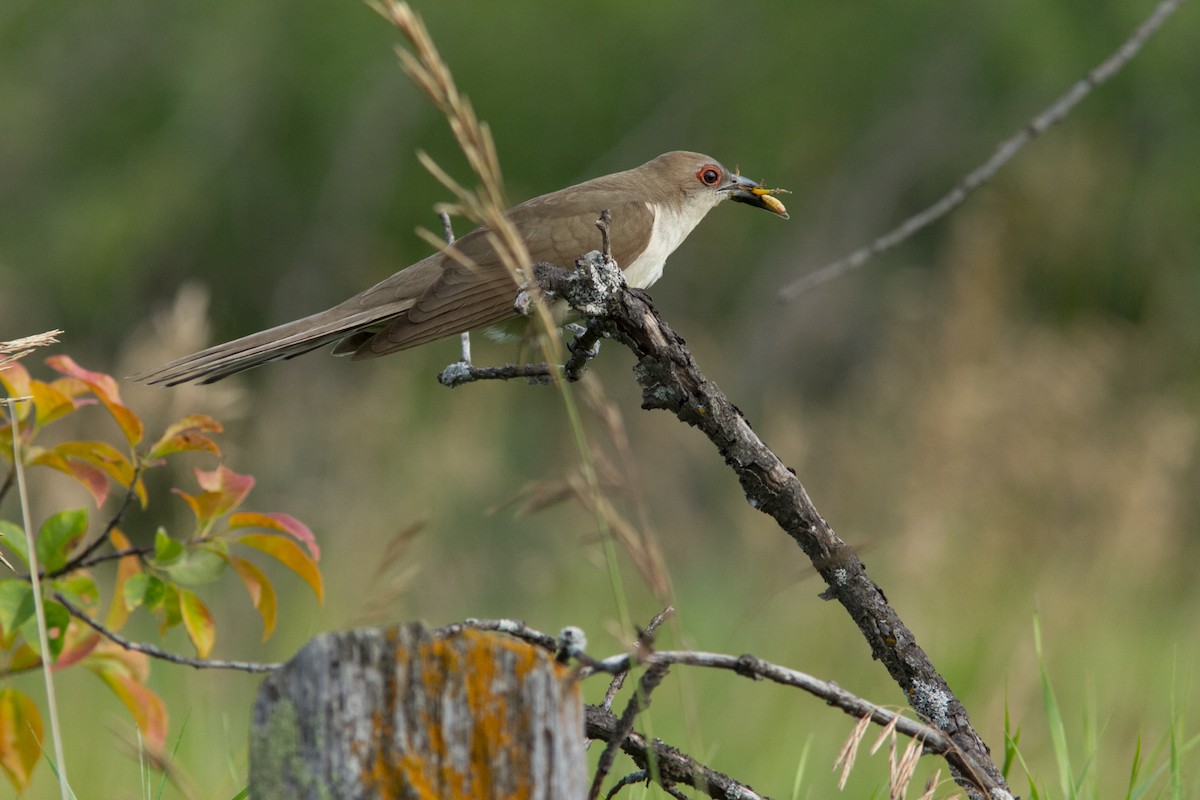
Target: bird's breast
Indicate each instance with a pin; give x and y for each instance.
(669, 230)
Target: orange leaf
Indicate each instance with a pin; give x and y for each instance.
(127, 567)
(199, 622)
(187, 434)
(262, 593)
(105, 389)
(148, 709)
(15, 379)
(20, 737)
(51, 403)
(231, 487)
(284, 523)
(91, 477)
(102, 455)
(291, 556)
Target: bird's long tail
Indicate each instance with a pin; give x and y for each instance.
(284, 341)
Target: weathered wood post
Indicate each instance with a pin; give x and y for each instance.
(407, 713)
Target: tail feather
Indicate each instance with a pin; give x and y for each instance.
(281, 342)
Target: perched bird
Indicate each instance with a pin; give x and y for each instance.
(654, 207)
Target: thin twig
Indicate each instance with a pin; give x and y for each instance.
(1056, 112)
(673, 766)
(618, 679)
(158, 652)
(82, 558)
(459, 373)
(513, 627)
(640, 701)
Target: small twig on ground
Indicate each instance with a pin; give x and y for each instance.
(673, 767)
(1056, 112)
(618, 679)
(158, 652)
(638, 703)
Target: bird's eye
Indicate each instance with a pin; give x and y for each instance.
(709, 175)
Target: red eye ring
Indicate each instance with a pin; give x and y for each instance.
(709, 175)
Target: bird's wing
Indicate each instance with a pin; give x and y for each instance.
(479, 291)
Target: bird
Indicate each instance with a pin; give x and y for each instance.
(653, 208)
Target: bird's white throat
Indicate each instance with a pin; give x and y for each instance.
(672, 224)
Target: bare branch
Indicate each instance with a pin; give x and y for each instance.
(1054, 113)
(644, 639)
(672, 381)
(673, 767)
(638, 703)
(158, 652)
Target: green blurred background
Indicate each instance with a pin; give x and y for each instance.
(1002, 413)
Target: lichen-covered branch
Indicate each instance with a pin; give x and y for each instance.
(672, 381)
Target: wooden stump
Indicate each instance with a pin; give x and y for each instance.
(404, 713)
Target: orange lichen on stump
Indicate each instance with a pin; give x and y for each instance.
(414, 715)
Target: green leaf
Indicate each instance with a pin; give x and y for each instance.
(169, 606)
(14, 539)
(134, 590)
(58, 534)
(20, 737)
(80, 584)
(198, 566)
(16, 606)
(198, 621)
(57, 620)
(166, 550)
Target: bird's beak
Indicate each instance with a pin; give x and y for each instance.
(744, 190)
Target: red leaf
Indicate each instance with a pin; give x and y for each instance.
(284, 523)
(105, 389)
(229, 485)
(91, 477)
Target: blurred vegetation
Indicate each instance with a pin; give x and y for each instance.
(1003, 413)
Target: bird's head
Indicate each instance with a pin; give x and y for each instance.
(703, 182)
